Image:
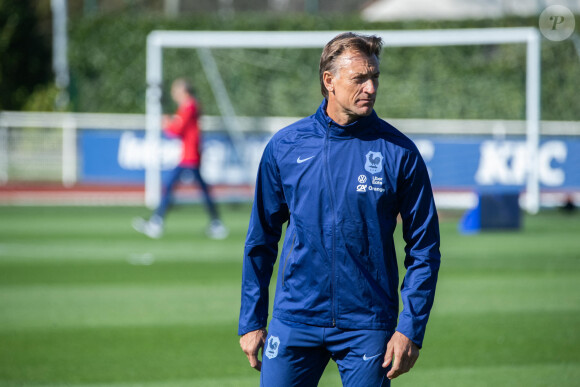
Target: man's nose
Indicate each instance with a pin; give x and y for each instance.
(370, 86)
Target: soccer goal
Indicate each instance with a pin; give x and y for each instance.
(251, 76)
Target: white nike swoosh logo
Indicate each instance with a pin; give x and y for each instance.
(365, 358)
(300, 161)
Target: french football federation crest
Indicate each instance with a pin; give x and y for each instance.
(374, 162)
(272, 348)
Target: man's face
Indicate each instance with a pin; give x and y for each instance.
(177, 92)
(353, 87)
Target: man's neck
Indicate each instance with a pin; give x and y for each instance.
(184, 100)
(340, 117)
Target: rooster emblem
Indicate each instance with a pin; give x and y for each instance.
(374, 162)
(272, 347)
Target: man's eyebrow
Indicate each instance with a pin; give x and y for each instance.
(370, 73)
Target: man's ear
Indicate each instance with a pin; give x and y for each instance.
(328, 80)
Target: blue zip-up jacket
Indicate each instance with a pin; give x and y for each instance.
(341, 189)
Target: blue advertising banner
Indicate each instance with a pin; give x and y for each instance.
(454, 162)
(479, 162)
(120, 157)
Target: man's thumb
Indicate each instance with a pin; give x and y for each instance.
(388, 356)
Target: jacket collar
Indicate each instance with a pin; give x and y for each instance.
(362, 125)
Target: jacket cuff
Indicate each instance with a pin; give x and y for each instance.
(242, 330)
(412, 330)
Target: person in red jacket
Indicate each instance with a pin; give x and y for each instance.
(184, 125)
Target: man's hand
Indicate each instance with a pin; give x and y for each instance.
(402, 352)
(251, 343)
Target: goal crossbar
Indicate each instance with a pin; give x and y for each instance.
(158, 40)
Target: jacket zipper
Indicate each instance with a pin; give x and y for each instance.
(328, 183)
(286, 260)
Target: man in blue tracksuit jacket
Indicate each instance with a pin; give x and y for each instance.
(340, 178)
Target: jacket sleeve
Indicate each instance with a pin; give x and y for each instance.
(178, 123)
(422, 256)
(269, 212)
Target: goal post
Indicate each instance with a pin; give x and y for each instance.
(158, 40)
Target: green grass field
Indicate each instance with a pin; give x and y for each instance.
(86, 301)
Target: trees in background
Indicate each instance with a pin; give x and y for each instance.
(25, 53)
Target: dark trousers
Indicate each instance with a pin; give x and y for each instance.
(167, 197)
(295, 355)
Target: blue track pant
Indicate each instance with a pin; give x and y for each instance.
(166, 199)
(297, 354)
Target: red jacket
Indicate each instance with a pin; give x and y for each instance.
(185, 126)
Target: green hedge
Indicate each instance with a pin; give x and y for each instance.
(25, 61)
(107, 61)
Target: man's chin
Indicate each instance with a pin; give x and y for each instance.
(365, 110)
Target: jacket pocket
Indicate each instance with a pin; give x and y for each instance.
(356, 238)
(288, 258)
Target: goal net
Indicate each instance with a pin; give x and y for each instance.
(436, 86)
